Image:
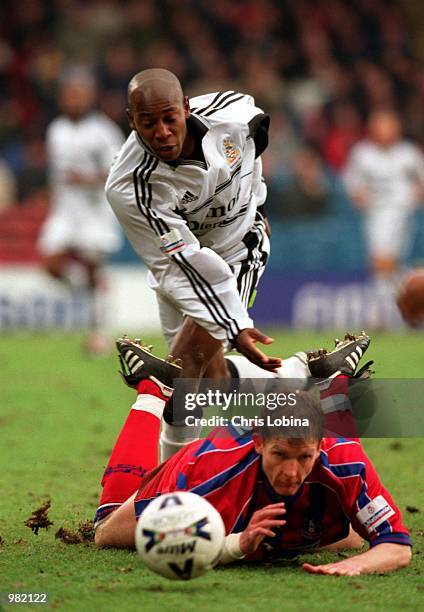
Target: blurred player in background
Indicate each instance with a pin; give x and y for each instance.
(187, 188)
(80, 230)
(384, 176)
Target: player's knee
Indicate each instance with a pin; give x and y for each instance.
(100, 540)
(405, 556)
(195, 347)
(217, 367)
(53, 266)
(384, 265)
(194, 364)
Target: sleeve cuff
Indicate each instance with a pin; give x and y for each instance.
(231, 551)
(392, 538)
(245, 323)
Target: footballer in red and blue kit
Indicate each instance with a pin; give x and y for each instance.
(342, 489)
(280, 492)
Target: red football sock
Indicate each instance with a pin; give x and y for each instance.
(136, 449)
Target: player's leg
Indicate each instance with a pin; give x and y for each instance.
(202, 357)
(383, 265)
(199, 352)
(96, 292)
(55, 244)
(387, 236)
(96, 236)
(55, 263)
(86, 286)
(117, 530)
(336, 370)
(135, 453)
(64, 258)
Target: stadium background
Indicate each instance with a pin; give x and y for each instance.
(318, 67)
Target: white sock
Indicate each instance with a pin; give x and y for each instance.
(149, 403)
(247, 369)
(293, 367)
(172, 439)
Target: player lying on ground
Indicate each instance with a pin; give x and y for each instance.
(278, 496)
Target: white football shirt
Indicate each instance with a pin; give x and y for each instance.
(390, 177)
(80, 217)
(193, 223)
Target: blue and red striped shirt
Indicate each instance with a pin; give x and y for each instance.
(342, 489)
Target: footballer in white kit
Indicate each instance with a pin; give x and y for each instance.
(385, 175)
(80, 218)
(187, 188)
(198, 224)
(80, 230)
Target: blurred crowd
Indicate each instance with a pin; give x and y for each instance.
(317, 66)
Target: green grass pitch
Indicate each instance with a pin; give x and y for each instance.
(59, 414)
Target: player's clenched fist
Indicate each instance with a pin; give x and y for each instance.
(261, 526)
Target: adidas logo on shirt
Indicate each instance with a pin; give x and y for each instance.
(189, 197)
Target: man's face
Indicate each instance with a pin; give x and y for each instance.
(384, 128)
(287, 464)
(161, 122)
(76, 99)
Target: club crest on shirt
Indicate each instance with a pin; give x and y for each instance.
(311, 528)
(231, 151)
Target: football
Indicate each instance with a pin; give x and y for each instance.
(411, 297)
(180, 535)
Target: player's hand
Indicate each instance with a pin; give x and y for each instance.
(361, 199)
(85, 180)
(246, 345)
(347, 567)
(75, 178)
(260, 527)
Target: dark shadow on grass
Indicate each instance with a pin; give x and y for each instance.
(194, 586)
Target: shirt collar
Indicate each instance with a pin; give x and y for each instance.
(195, 126)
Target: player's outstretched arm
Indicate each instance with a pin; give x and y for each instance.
(246, 344)
(382, 558)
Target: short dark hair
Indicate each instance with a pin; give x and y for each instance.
(302, 421)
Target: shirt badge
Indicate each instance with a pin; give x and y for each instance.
(311, 528)
(374, 513)
(172, 242)
(231, 151)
